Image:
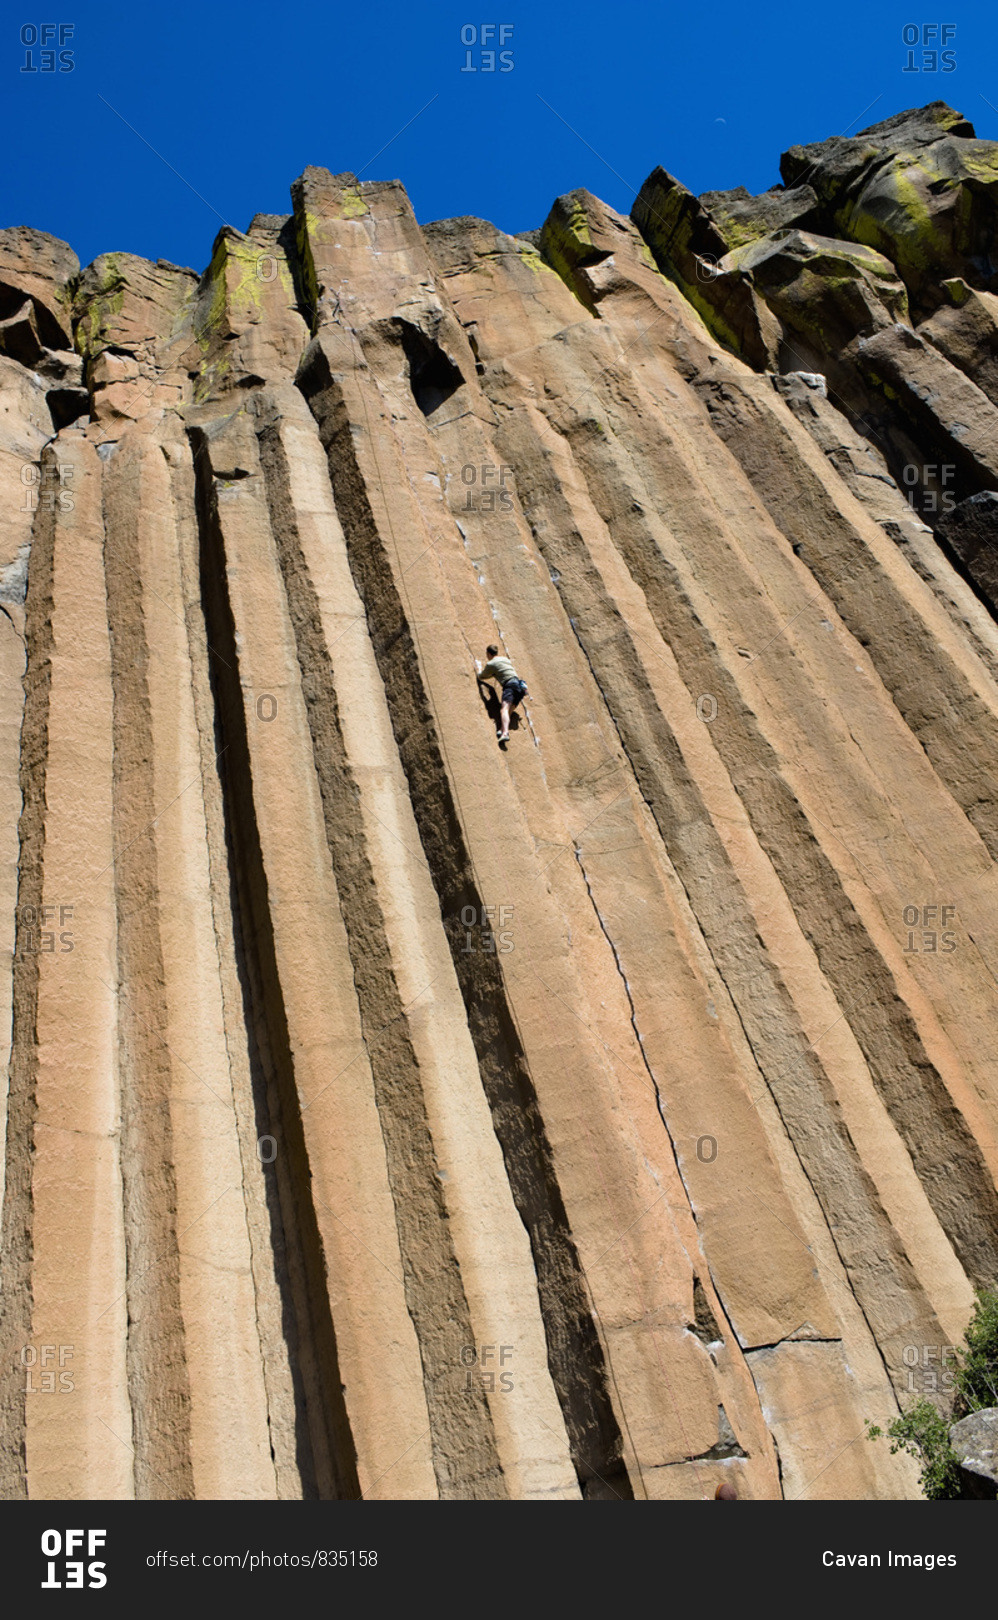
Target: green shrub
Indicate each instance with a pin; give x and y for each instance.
(977, 1377)
(923, 1431)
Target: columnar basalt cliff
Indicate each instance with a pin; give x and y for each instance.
(604, 1116)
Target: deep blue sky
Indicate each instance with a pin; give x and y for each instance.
(238, 99)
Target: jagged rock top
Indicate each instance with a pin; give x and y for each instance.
(839, 158)
(742, 218)
(34, 253)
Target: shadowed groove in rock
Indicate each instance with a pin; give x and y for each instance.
(465, 1457)
(274, 1303)
(575, 1353)
(156, 1362)
(326, 1452)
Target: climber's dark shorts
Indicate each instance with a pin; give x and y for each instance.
(513, 691)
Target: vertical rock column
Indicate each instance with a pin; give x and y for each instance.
(195, 1359)
(403, 964)
(64, 1285)
(357, 1351)
(25, 428)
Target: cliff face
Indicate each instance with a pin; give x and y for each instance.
(611, 1115)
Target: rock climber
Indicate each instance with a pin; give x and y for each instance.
(513, 689)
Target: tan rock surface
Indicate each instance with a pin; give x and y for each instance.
(606, 1115)
(966, 332)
